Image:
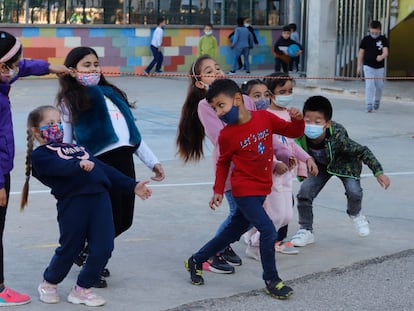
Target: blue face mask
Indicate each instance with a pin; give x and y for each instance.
(313, 131)
(283, 100)
(374, 35)
(262, 103)
(232, 116)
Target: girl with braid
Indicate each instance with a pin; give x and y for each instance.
(80, 184)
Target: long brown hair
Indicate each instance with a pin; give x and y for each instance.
(72, 96)
(33, 120)
(191, 133)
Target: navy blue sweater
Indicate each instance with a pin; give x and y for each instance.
(57, 166)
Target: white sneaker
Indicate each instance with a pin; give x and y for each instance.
(79, 295)
(48, 292)
(253, 252)
(302, 238)
(361, 224)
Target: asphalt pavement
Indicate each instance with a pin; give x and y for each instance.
(340, 271)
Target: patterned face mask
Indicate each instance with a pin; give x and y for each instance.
(52, 133)
(88, 79)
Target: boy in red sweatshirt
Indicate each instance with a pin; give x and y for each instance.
(246, 141)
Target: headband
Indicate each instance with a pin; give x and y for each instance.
(11, 52)
(193, 70)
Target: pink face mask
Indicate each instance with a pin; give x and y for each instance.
(88, 79)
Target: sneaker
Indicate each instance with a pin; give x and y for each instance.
(369, 108)
(158, 71)
(101, 283)
(248, 72)
(246, 237)
(231, 257)
(80, 260)
(285, 248)
(253, 252)
(231, 72)
(105, 273)
(302, 238)
(48, 292)
(196, 271)
(376, 105)
(79, 295)
(217, 264)
(361, 224)
(277, 289)
(145, 73)
(9, 297)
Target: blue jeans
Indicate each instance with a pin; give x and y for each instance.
(232, 210)
(158, 59)
(311, 187)
(237, 53)
(249, 210)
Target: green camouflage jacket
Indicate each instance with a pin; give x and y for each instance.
(345, 156)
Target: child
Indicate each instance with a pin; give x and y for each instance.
(12, 67)
(208, 43)
(156, 44)
(336, 155)
(373, 50)
(280, 50)
(246, 142)
(279, 204)
(80, 185)
(241, 44)
(96, 112)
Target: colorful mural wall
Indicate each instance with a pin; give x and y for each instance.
(126, 51)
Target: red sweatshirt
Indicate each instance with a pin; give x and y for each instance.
(249, 146)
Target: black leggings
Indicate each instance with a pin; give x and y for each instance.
(3, 211)
(122, 202)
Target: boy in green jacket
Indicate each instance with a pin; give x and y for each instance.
(336, 155)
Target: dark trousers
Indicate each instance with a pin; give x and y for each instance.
(83, 217)
(279, 63)
(249, 211)
(3, 211)
(158, 59)
(122, 203)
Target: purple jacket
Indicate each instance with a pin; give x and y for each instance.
(26, 68)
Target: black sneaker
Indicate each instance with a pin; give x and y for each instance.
(105, 273)
(101, 283)
(195, 270)
(231, 257)
(277, 289)
(217, 264)
(80, 260)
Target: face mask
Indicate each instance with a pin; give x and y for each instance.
(208, 33)
(206, 86)
(262, 103)
(7, 77)
(52, 133)
(283, 100)
(374, 35)
(88, 79)
(313, 131)
(246, 25)
(232, 116)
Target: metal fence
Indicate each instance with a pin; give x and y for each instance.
(184, 12)
(354, 17)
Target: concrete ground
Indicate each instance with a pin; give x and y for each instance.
(339, 272)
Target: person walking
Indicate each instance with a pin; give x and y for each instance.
(373, 50)
(241, 45)
(156, 43)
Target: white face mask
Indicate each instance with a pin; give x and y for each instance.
(313, 131)
(246, 25)
(208, 33)
(283, 100)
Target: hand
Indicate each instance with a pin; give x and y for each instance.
(295, 113)
(215, 201)
(380, 58)
(142, 190)
(59, 70)
(280, 168)
(359, 70)
(384, 181)
(159, 172)
(312, 167)
(3, 197)
(292, 162)
(87, 165)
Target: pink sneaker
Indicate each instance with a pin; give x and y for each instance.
(79, 295)
(9, 297)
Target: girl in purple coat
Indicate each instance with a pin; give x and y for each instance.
(12, 67)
